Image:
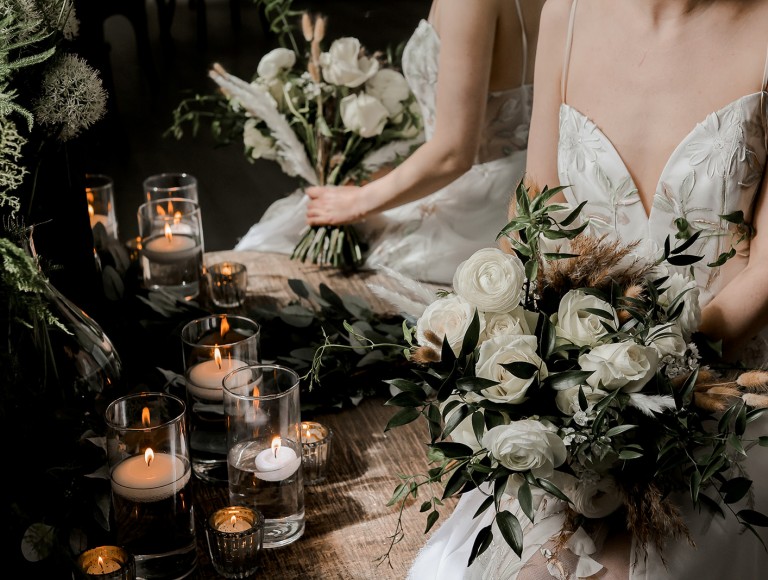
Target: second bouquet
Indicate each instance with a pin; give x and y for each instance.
(327, 117)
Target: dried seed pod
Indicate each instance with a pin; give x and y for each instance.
(306, 27)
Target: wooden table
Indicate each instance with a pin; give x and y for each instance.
(347, 520)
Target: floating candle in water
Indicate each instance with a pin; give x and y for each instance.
(149, 478)
(204, 380)
(277, 463)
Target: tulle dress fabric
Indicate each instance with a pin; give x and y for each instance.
(714, 171)
(428, 238)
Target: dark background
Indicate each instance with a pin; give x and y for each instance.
(148, 77)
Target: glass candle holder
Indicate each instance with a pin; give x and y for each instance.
(316, 451)
(105, 563)
(264, 453)
(100, 194)
(228, 282)
(150, 473)
(213, 346)
(172, 248)
(235, 535)
(165, 185)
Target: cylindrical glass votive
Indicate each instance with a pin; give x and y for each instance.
(165, 185)
(151, 492)
(106, 563)
(228, 282)
(213, 347)
(261, 403)
(171, 232)
(235, 535)
(316, 446)
(100, 194)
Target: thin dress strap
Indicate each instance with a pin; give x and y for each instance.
(763, 90)
(524, 39)
(568, 42)
(764, 87)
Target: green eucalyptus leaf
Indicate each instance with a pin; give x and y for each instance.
(511, 531)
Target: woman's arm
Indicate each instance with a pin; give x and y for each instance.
(541, 163)
(466, 32)
(740, 310)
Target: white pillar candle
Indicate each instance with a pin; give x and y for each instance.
(276, 463)
(205, 378)
(170, 247)
(140, 480)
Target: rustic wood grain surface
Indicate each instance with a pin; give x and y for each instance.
(348, 522)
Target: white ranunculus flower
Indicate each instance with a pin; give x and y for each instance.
(620, 365)
(258, 145)
(447, 317)
(514, 322)
(578, 326)
(667, 339)
(502, 350)
(343, 65)
(463, 433)
(568, 400)
(274, 62)
(363, 114)
(690, 318)
(391, 88)
(524, 445)
(491, 279)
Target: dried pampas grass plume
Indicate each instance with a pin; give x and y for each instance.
(754, 381)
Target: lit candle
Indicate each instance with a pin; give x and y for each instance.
(149, 478)
(312, 432)
(205, 378)
(234, 524)
(169, 247)
(276, 463)
(96, 218)
(107, 562)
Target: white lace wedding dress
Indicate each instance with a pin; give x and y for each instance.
(716, 170)
(428, 238)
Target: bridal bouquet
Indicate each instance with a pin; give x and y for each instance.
(326, 117)
(568, 369)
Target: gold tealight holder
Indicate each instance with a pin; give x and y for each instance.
(316, 451)
(106, 563)
(235, 535)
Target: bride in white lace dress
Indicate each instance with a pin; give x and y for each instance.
(654, 112)
(469, 65)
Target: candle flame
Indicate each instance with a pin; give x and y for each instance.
(91, 211)
(89, 194)
(217, 356)
(276, 444)
(168, 234)
(224, 326)
(160, 210)
(101, 563)
(145, 417)
(177, 217)
(149, 456)
(233, 521)
(226, 270)
(170, 208)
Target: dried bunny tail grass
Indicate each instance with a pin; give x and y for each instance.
(710, 403)
(723, 391)
(652, 518)
(319, 29)
(599, 263)
(705, 379)
(755, 400)
(432, 338)
(754, 381)
(306, 27)
(425, 355)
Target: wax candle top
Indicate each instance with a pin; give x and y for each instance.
(204, 379)
(103, 566)
(234, 524)
(105, 561)
(277, 463)
(143, 478)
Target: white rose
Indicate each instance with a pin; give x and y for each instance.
(620, 365)
(463, 433)
(343, 65)
(568, 400)
(274, 62)
(514, 322)
(447, 317)
(502, 350)
(578, 326)
(258, 145)
(391, 88)
(524, 445)
(491, 280)
(690, 317)
(667, 339)
(363, 114)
